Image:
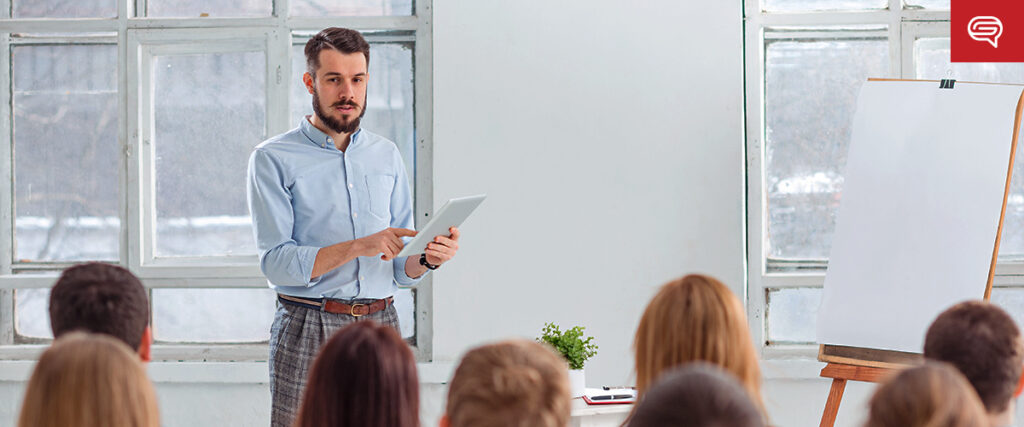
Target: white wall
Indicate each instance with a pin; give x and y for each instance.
(608, 135)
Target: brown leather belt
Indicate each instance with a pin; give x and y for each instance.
(334, 306)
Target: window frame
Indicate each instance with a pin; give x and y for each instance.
(764, 275)
(137, 37)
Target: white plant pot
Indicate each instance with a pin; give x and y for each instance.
(577, 383)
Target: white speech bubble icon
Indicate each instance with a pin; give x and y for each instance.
(986, 29)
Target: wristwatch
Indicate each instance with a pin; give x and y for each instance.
(423, 262)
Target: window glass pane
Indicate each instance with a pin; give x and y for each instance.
(31, 313)
(65, 152)
(210, 113)
(811, 89)
(389, 97)
(931, 61)
(197, 8)
(233, 315)
(64, 9)
(405, 304)
(351, 8)
(927, 4)
(805, 5)
(792, 315)
(212, 315)
(1011, 300)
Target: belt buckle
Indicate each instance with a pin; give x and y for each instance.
(352, 310)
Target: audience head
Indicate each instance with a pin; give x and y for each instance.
(932, 395)
(696, 395)
(364, 375)
(515, 383)
(102, 298)
(695, 318)
(983, 342)
(89, 380)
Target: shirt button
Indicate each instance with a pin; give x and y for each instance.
(362, 278)
(355, 215)
(350, 186)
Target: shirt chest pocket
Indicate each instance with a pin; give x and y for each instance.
(379, 188)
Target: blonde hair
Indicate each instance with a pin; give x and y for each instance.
(932, 395)
(515, 383)
(696, 318)
(89, 380)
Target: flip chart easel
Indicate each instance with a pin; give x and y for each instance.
(846, 363)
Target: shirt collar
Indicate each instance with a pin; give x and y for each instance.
(319, 138)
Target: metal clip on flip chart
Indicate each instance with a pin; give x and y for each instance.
(946, 83)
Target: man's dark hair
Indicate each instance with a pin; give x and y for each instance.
(100, 298)
(342, 40)
(697, 394)
(984, 343)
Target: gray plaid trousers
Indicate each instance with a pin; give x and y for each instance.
(295, 338)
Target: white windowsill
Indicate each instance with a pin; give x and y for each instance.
(214, 372)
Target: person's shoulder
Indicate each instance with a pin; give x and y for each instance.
(281, 142)
(376, 141)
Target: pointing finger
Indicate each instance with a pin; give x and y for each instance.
(403, 232)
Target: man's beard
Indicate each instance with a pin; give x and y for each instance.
(338, 126)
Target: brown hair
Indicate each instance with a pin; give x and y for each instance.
(983, 342)
(100, 298)
(698, 394)
(89, 380)
(932, 395)
(364, 375)
(695, 318)
(342, 40)
(515, 383)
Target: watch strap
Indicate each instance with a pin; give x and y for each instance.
(423, 262)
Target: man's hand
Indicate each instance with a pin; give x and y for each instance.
(443, 248)
(387, 241)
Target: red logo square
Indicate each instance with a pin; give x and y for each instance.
(987, 31)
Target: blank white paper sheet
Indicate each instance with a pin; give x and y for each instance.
(917, 223)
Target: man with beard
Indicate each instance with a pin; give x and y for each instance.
(330, 203)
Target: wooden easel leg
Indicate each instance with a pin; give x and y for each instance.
(835, 395)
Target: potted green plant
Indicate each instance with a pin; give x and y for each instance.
(574, 347)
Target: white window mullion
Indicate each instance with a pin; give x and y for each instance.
(281, 11)
(135, 88)
(7, 156)
(279, 72)
(424, 193)
(7, 175)
(895, 29)
(756, 232)
(124, 10)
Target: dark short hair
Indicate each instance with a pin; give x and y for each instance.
(100, 298)
(364, 375)
(984, 343)
(342, 40)
(697, 394)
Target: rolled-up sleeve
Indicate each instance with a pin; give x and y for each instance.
(283, 261)
(402, 216)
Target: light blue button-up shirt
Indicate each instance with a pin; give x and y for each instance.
(304, 194)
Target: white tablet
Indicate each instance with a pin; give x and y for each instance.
(450, 215)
